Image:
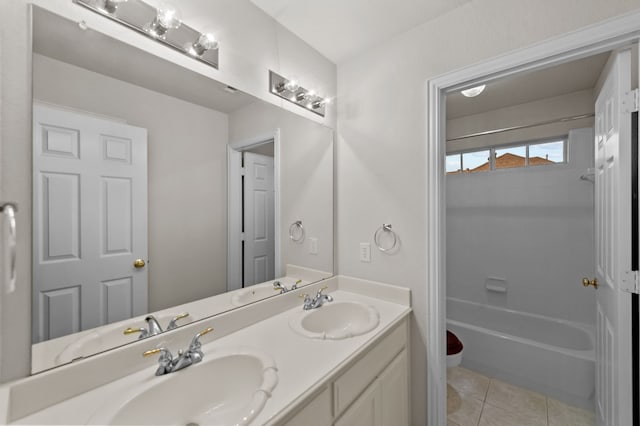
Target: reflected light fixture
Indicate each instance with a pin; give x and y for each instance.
(162, 22)
(205, 42)
(168, 17)
(109, 6)
(473, 92)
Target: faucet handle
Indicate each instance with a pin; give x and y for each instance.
(195, 343)
(165, 355)
(143, 332)
(295, 285)
(321, 290)
(173, 323)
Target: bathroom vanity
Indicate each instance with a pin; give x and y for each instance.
(258, 368)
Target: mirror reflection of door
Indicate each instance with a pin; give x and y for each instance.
(258, 256)
(89, 224)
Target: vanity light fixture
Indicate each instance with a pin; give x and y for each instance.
(162, 23)
(291, 90)
(473, 92)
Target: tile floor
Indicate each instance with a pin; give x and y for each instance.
(477, 400)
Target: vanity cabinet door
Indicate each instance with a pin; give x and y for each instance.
(385, 401)
(317, 412)
(394, 388)
(366, 410)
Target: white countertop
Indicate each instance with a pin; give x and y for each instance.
(302, 362)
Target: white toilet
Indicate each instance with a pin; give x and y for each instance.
(454, 350)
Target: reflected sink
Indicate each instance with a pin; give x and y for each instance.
(253, 294)
(224, 389)
(109, 336)
(335, 321)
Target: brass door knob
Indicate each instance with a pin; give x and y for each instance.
(139, 263)
(587, 282)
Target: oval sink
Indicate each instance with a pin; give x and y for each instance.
(224, 389)
(336, 321)
(108, 336)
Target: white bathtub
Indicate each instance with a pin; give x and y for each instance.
(548, 355)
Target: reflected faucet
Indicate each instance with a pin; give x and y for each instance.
(317, 301)
(153, 326)
(283, 288)
(168, 364)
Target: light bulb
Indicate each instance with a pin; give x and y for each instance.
(167, 18)
(205, 42)
(109, 6)
(473, 92)
(291, 85)
(320, 102)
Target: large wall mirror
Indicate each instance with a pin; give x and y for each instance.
(161, 196)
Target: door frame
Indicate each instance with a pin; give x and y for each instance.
(606, 35)
(234, 204)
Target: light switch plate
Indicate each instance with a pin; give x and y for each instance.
(365, 252)
(313, 245)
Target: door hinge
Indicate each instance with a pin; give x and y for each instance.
(630, 282)
(242, 236)
(243, 171)
(631, 101)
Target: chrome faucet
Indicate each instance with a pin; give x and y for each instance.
(317, 301)
(173, 323)
(154, 326)
(277, 285)
(168, 364)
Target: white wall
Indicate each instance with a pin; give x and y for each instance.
(251, 44)
(187, 171)
(306, 178)
(532, 226)
(567, 105)
(382, 128)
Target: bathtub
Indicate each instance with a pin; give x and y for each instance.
(547, 355)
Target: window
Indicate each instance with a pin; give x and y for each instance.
(468, 162)
(538, 153)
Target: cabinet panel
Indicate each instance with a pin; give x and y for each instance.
(348, 386)
(315, 413)
(394, 386)
(366, 410)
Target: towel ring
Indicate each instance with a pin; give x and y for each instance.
(386, 227)
(296, 231)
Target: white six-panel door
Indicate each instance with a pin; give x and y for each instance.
(613, 248)
(259, 226)
(89, 222)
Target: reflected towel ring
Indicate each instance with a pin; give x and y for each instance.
(296, 231)
(386, 227)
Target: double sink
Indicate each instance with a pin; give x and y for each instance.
(228, 387)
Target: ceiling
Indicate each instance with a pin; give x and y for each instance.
(341, 29)
(561, 79)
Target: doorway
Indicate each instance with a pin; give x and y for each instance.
(254, 211)
(594, 40)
